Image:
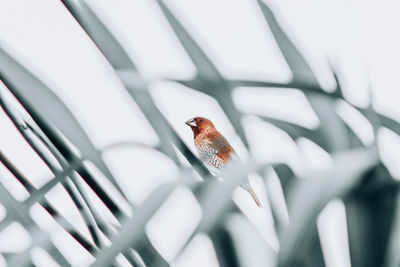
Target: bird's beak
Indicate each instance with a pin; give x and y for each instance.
(191, 123)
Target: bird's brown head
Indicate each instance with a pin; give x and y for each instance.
(199, 124)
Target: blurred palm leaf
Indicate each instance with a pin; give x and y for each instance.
(356, 174)
(38, 99)
(304, 207)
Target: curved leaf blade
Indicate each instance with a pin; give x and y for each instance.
(37, 98)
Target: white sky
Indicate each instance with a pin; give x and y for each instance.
(360, 36)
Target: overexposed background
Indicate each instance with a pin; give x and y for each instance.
(360, 37)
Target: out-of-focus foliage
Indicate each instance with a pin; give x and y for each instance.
(356, 176)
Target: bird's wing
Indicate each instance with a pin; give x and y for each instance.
(223, 149)
(228, 157)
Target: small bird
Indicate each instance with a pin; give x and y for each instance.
(214, 150)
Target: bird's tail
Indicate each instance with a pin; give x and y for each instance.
(254, 196)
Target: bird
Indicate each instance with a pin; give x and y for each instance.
(214, 150)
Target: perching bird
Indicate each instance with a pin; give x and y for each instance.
(214, 150)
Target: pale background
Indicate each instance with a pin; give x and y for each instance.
(361, 37)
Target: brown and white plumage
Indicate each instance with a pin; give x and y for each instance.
(214, 150)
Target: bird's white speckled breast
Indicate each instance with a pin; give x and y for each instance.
(208, 154)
